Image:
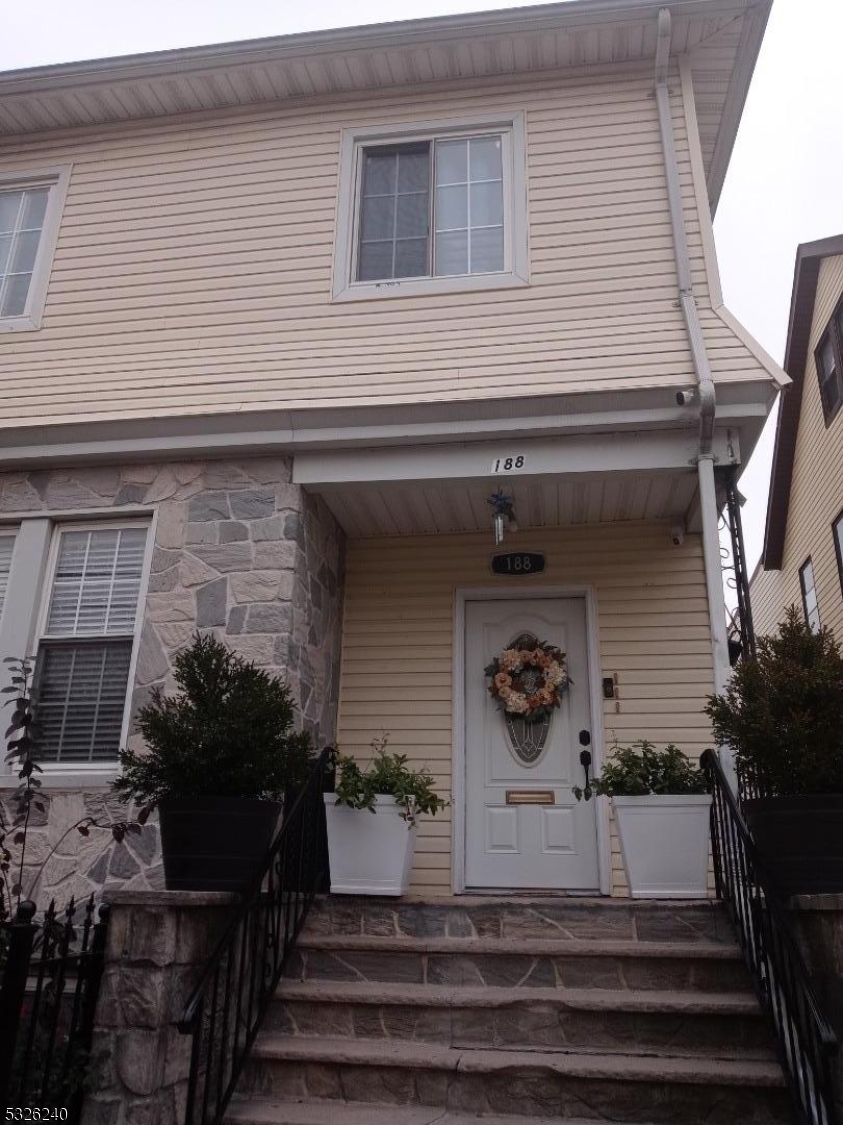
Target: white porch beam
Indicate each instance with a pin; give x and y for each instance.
(604, 453)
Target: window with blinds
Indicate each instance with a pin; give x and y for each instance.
(7, 546)
(86, 645)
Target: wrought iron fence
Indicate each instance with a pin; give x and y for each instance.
(806, 1042)
(224, 1012)
(51, 971)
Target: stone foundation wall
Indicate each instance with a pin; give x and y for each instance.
(239, 551)
(157, 946)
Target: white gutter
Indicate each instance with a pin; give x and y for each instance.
(680, 239)
(702, 369)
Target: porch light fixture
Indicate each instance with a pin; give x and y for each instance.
(503, 515)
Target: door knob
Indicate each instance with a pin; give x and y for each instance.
(585, 762)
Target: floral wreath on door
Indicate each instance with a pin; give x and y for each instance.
(529, 680)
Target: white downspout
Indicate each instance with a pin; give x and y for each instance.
(702, 370)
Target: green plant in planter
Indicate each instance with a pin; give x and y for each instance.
(782, 713)
(228, 732)
(640, 770)
(386, 775)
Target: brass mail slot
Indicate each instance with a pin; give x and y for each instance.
(530, 797)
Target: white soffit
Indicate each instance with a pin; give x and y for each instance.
(439, 508)
(722, 37)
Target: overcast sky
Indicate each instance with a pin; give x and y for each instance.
(783, 186)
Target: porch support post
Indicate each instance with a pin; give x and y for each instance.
(714, 584)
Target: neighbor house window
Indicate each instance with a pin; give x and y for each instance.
(87, 638)
(809, 595)
(7, 546)
(29, 215)
(829, 357)
(837, 529)
(432, 212)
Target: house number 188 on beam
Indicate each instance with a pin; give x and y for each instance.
(512, 463)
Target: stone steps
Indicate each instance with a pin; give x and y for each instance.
(685, 1023)
(611, 1087)
(505, 1011)
(513, 962)
(523, 917)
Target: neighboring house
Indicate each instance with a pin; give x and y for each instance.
(278, 317)
(802, 562)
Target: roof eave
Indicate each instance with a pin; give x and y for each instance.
(361, 37)
(752, 35)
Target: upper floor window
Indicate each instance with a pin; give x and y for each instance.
(809, 595)
(837, 530)
(432, 210)
(829, 357)
(30, 207)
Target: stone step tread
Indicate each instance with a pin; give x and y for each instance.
(589, 1065)
(385, 994)
(261, 1111)
(535, 947)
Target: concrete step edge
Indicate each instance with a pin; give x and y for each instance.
(263, 1111)
(528, 901)
(588, 1065)
(387, 994)
(535, 947)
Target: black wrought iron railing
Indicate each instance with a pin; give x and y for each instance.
(226, 1008)
(806, 1042)
(51, 970)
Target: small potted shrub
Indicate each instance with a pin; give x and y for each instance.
(782, 715)
(661, 807)
(372, 822)
(220, 756)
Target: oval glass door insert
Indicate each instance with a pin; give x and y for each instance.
(527, 740)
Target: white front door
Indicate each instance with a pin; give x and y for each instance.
(511, 843)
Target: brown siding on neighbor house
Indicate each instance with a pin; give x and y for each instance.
(816, 496)
(398, 637)
(194, 262)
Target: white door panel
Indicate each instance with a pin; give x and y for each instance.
(551, 845)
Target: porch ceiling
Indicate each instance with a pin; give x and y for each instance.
(366, 510)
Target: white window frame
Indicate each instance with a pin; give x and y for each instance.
(57, 179)
(807, 565)
(32, 587)
(8, 533)
(515, 273)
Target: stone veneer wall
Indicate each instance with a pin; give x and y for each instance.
(239, 551)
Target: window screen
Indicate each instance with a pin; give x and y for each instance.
(86, 648)
(395, 212)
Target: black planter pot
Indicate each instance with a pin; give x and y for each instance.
(800, 840)
(214, 843)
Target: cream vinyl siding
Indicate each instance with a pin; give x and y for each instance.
(816, 496)
(194, 264)
(398, 645)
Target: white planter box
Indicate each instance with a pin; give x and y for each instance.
(664, 840)
(369, 854)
